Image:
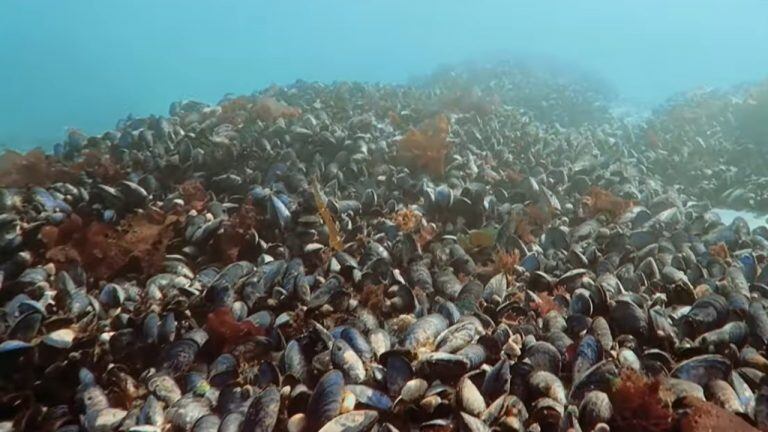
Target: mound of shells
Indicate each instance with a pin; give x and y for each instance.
(354, 257)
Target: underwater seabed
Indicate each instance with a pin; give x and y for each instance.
(353, 257)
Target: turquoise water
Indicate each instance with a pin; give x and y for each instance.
(85, 64)
(753, 219)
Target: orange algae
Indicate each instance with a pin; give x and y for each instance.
(34, 168)
(246, 109)
(719, 250)
(546, 304)
(602, 201)
(506, 262)
(408, 220)
(334, 239)
(425, 148)
(637, 405)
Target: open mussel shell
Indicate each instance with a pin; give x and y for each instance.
(263, 411)
(326, 401)
(543, 356)
(353, 421)
(598, 377)
(26, 326)
(702, 369)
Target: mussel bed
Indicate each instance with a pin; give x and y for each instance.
(354, 257)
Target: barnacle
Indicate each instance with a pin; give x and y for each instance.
(637, 405)
(602, 201)
(334, 240)
(425, 148)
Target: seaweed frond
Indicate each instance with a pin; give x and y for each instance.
(698, 415)
(194, 195)
(524, 232)
(100, 166)
(103, 249)
(425, 148)
(237, 234)
(270, 109)
(34, 168)
(719, 250)
(408, 220)
(224, 329)
(427, 232)
(478, 238)
(506, 262)
(334, 239)
(637, 405)
(245, 109)
(546, 304)
(373, 297)
(602, 201)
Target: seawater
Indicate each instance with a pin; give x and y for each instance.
(753, 219)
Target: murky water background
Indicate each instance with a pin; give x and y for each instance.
(85, 63)
(753, 219)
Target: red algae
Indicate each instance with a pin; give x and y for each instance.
(104, 249)
(637, 405)
(224, 329)
(700, 415)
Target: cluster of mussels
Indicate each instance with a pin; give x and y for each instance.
(352, 257)
(719, 137)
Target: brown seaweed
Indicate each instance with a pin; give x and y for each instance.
(228, 332)
(425, 148)
(408, 220)
(701, 415)
(194, 194)
(719, 250)
(34, 168)
(103, 249)
(637, 405)
(599, 201)
(235, 236)
(245, 109)
(334, 239)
